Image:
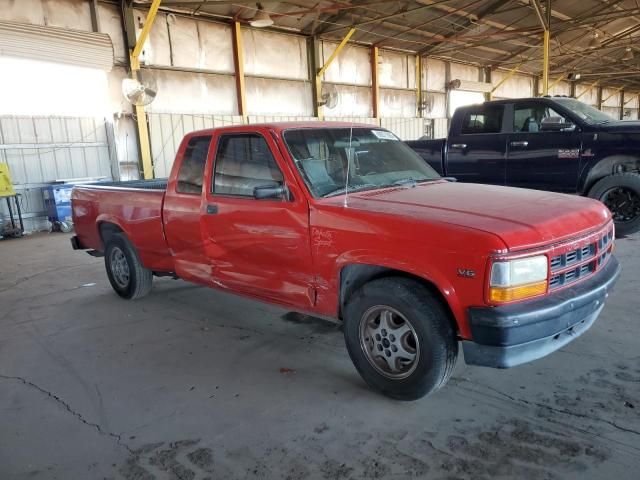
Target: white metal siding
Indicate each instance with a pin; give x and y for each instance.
(440, 127)
(57, 45)
(368, 120)
(405, 128)
(275, 118)
(40, 150)
(167, 129)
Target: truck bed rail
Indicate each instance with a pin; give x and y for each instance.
(155, 184)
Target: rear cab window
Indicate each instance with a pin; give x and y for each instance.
(486, 119)
(194, 160)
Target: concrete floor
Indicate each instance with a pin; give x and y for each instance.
(190, 383)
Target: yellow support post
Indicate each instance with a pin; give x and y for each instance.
(318, 90)
(141, 116)
(631, 99)
(375, 88)
(509, 74)
(556, 82)
(588, 89)
(321, 70)
(610, 96)
(238, 60)
(545, 64)
(419, 112)
(336, 52)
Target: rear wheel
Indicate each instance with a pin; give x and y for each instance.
(127, 275)
(399, 337)
(621, 194)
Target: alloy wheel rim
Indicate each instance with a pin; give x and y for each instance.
(119, 267)
(389, 342)
(623, 203)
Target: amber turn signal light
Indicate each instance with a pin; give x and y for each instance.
(510, 294)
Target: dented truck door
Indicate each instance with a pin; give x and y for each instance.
(255, 221)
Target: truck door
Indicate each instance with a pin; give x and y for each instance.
(181, 210)
(476, 147)
(259, 246)
(544, 160)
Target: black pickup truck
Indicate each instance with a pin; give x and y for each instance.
(549, 143)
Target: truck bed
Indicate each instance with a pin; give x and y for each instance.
(134, 207)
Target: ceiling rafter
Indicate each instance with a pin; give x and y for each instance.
(495, 33)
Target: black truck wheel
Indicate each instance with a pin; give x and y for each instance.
(127, 275)
(621, 194)
(399, 337)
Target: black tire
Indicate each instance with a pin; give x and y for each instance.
(435, 342)
(137, 283)
(620, 192)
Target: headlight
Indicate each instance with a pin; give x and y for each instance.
(518, 279)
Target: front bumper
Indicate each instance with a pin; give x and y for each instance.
(510, 335)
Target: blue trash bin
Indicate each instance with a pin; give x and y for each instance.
(57, 202)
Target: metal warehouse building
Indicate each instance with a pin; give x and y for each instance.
(398, 66)
(319, 239)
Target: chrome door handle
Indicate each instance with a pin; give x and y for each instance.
(519, 144)
(459, 145)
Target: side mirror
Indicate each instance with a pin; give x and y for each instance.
(556, 124)
(264, 192)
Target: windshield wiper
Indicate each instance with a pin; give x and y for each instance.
(351, 188)
(411, 182)
(406, 181)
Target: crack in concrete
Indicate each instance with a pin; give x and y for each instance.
(79, 416)
(549, 407)
(43, 272)
(582, 415)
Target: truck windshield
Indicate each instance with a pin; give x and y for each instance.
(585, 112)
(335, 160)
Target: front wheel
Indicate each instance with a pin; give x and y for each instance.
(621, 195)
(400, 338)
(127, 275)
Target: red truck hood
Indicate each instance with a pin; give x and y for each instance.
(522, 218)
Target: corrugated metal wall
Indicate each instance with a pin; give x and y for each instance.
(40, 150)
(167, 129)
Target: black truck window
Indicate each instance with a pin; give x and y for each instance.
(482, 120)
(192, 168)
(528, 116)
(243, 162)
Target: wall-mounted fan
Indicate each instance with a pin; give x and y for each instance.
(141, 91)
(329, 96)
(427, 103)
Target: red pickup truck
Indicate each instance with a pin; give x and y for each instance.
(345, 221)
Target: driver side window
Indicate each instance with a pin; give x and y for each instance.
(528, 117)
(244, 162)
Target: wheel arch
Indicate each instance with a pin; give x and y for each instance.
(608, 166)
(353, 276)
(106, 229)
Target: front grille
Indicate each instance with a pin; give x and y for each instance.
(572, 257)
(571, 276)
(576, 264)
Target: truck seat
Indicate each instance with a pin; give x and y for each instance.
(530, 125)
(240, 178)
